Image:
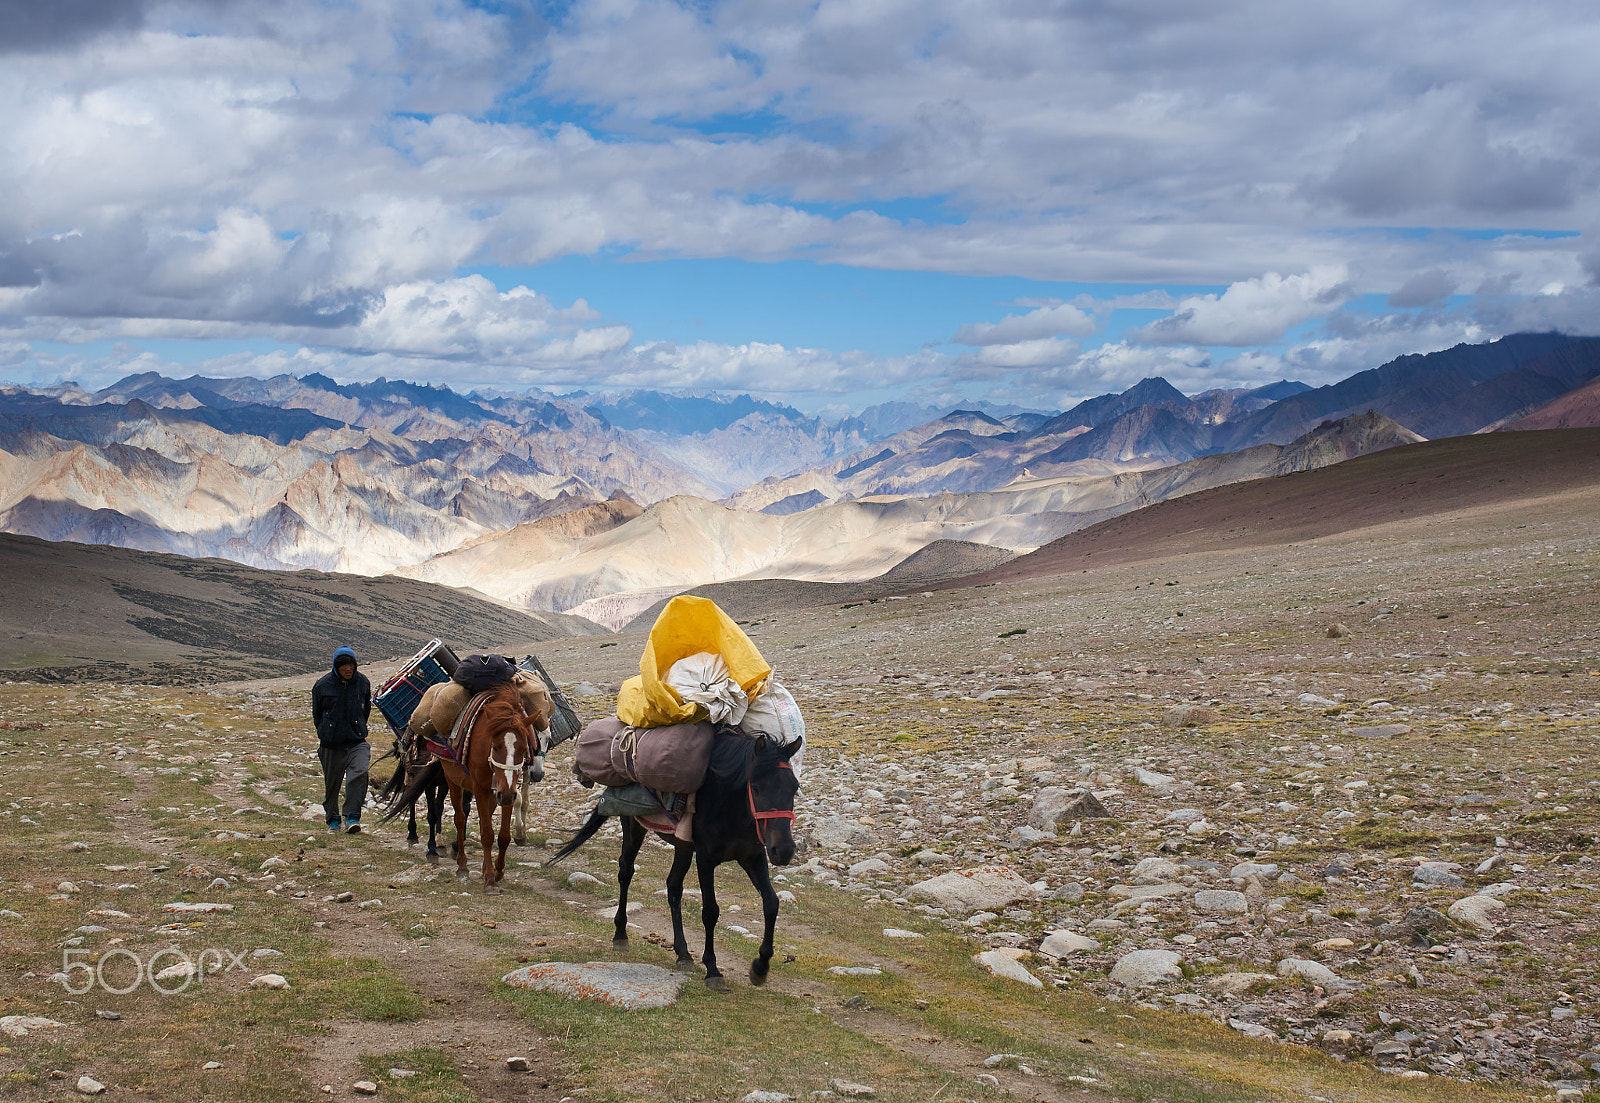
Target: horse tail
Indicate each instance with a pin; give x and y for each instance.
(397, 780)
(426, 777)
(585, 833)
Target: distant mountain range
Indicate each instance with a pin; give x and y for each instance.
(608, 568)
(1460, 390)
(554, 502)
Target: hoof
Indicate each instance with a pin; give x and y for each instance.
(412, 842)
(461, 875)
(717, 984)
(519, 842)
(758, 973)
(686, 965)
(493, 890)
(619, 943)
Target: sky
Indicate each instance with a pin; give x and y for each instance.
(829, 203)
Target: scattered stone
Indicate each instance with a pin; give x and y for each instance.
(1476, 912)
(109, 1016)
(626, 985)
(1380, 731)
(869, 867)
(1337, 1040)
(273, 863)
(1246, 870)
(851, 1090)
(1416, 923)
(219, 883)
(1140, 893)
(20, 1026)
(1437, 873)
(402, 1074)
(578, 878)
(88, 1085)
(1183, 815)
(1239, 984)
(841, 833)
(759, 1096)
(370, 904)
(855, 971)
(364, 1087)
(1312, 701)
(1059, 944)
(1053, 805)
(1312, 972)
(1221, 902)
(518, 1064)
(274, 981)
(257, 955)
(1252, 1030)
(1338, 630)
(1004, 965)
(897, 932)
(1151, 778)
(1159, 868)
(181, 908)
(1491, 863)
(930, 858)
(976, 889)
(1190, 716)
(1023, 835)
(211, 1065)
(1142, 967)
(197, 872)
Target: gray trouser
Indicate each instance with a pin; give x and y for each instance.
(345, 765)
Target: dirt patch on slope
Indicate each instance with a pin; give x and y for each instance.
(1399, 484)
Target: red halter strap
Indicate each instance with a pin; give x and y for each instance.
(761, 817)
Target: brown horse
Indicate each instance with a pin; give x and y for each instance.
(498, 744)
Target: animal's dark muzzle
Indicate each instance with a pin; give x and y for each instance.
(780, 842)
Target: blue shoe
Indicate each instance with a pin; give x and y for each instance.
(333, 828)
(352, 827)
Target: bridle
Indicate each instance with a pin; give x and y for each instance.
(762, 817)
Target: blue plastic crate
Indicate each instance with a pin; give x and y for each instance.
(400, 695)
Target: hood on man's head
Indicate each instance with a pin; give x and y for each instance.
(342, 654)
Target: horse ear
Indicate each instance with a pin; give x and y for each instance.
(787, 752)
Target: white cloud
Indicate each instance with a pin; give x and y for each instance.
(324, 173)
(1046, 321)
(1252, 312)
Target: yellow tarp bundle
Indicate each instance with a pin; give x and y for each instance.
(687, 626)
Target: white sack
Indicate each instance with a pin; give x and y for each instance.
(704, 680)
(775, 715)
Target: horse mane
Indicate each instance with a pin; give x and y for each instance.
(503, 711)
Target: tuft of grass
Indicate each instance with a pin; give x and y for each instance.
(437, 1079)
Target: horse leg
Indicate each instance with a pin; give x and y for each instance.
(519, 810)
(681, 857)
(458, 799)
(761, 877)
(435, 797)
(501, 842)
(486, 809)
(632, 840)
(411, 827)
(708, 917)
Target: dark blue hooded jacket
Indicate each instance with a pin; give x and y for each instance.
(340, 708)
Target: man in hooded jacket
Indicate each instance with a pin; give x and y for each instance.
(341, 702)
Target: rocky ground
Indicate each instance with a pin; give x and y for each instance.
(1341, 794)
(1336, 797)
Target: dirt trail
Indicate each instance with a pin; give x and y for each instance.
(462, 1016)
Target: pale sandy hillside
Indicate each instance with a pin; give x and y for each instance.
(613, 573)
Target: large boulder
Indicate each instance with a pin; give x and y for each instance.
(626, 985)
(982, 888)
(1143, 967)
(1476, 912)
(1054, 805)
(841, 833)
